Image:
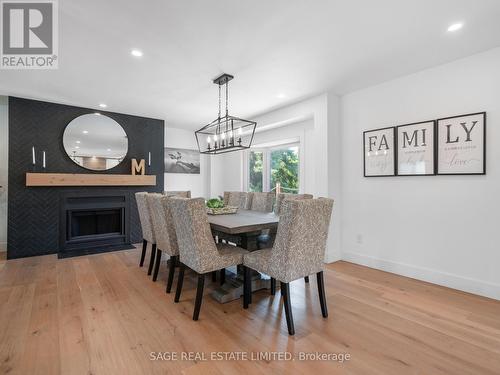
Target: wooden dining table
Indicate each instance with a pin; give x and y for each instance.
(242, 228)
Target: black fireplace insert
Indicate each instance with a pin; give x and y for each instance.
(94, 223)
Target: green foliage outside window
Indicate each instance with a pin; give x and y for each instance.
(255, 175)
(285, 169)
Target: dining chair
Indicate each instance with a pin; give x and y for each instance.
(166, 239)
(265, 240)
(261, 201)
(148, 234)
(236, 199)
(298, 251)
(197, 248)
(178, 193)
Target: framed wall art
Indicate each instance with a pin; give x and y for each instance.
(461, 144)
(416, 149)
(179, 160)
(379, 152)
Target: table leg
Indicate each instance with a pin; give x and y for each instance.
(233, 287)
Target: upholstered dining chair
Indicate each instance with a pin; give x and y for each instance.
(178, 193)
(282, 196)
(298, 251)
(265, 240)
(148, 234)
(197, 249)
(261, 201)
(166, 239)
(236, 198)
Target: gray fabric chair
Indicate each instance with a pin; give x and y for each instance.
(265, 240)
(178, 193)
(148, 234)
(197, 249)
(166, 238)
(260, 201)
(282, 196)
(298, 251)
(236, 199)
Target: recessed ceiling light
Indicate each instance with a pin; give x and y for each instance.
(455, 26)
(102, 105)
(85, 132)
(77, 147)
(281, 96)
(136, 52)
(108, 149)
(77, 142)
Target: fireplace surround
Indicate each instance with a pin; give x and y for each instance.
(35, 220)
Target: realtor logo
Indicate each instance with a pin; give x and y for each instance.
(29, 34)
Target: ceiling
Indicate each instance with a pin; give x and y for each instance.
(280, 51)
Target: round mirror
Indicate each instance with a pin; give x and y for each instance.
(95, 142)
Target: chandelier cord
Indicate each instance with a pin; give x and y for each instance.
(227, 95)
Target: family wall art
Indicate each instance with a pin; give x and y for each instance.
(446, 146)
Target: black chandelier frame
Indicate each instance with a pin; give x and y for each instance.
(226, 133)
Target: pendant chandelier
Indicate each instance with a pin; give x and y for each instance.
(226, 133)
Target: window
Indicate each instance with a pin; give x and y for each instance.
(255, 167)
(272, 165)
(284, 169)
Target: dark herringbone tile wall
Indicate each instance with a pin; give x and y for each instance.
(33, 218)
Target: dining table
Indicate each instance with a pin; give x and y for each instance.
(242, 229)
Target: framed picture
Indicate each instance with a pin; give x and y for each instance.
(379, 154)
(461, 143)
(416, 151)
(179, 160)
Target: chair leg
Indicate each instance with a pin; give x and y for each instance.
(199, 296)
(273, 286)
(152, 259)
(180, 280)
(321, 292)
(247, 287)
(285, 292)
(143, 254)
(214, 276)
(222, 276)
(306, 279)
(157, 264)
(171, 272)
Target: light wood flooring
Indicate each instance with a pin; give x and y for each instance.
(102, 314)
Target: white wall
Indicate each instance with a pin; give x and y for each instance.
(441, 229)
(197, 183)
(4, 155)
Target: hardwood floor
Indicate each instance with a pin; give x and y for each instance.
(101, 314)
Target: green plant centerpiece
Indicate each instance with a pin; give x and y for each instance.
(216, 206)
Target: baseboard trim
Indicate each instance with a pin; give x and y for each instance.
(470, 285)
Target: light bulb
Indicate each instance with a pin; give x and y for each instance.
(208, 139)
(231, 134)
(215, 137)
(240, 131)
(223, 136)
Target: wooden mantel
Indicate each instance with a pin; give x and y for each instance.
(69, 179)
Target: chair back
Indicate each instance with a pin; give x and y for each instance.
(145, 217)
(299, 248)
(178, 193)
(282, 196)
(261, 201)
(197, 248)
(163, 224)
(236, 199)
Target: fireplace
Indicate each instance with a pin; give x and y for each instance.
(93, 223)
